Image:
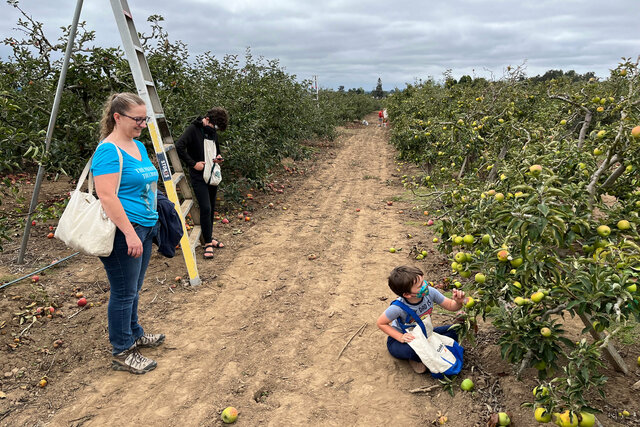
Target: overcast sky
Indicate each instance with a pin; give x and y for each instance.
(352, 43)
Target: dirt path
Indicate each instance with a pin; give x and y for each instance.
(266, 334)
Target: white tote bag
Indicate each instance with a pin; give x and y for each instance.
(84, 225)
(212, 174)
(433, 350)
(442, 355)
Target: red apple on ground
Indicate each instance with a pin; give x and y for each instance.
(82, 302)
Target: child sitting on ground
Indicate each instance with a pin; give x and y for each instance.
(406, 282)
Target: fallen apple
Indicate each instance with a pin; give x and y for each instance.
(503, 419)
(542, 415)
(82, 302)
(229, 415)
(467, 384)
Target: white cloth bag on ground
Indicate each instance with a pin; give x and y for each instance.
(211, 174)
(84, 226)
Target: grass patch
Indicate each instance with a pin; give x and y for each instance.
(6, 278)
(415, 223)
(629, 334)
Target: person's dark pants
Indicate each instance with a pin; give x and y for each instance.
(206, 197)
(402, 350)
(126, 274)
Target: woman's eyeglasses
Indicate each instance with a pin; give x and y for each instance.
(139, 120)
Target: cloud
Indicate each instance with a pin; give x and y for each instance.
(352, 43)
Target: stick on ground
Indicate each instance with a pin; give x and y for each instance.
(425, 389)
(364, 325)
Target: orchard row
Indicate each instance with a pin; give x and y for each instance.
(536, 186)
(271, 111)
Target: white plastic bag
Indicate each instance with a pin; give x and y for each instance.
(84, 225)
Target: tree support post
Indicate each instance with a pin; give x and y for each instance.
(52, 125)
(610, 352)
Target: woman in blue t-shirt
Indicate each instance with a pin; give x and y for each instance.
(132, 208)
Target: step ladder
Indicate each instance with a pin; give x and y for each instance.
(160, 135)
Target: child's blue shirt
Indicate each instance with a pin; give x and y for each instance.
(423, 308)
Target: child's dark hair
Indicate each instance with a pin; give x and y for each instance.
(219, 117)
(402, 279)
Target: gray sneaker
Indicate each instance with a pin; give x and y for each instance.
(131, 360)
(150, 340)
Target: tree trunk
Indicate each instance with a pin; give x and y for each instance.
(494, 171)
(585, 127)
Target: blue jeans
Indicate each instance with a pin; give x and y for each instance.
(402, 350)
(126, 275)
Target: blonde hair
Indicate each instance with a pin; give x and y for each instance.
(117, 103)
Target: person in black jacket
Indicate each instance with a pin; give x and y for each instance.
(190, 148)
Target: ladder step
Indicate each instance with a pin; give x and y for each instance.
(168, 147)
(138, 48)
(159, 116)
(177, 177)
(185, 207)
(194, 237)
(149, 83)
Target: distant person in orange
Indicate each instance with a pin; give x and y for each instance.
(380, 116)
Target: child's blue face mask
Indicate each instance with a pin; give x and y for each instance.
(424, 289)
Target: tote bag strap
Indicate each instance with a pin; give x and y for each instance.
(87, 171)
(411, 314)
